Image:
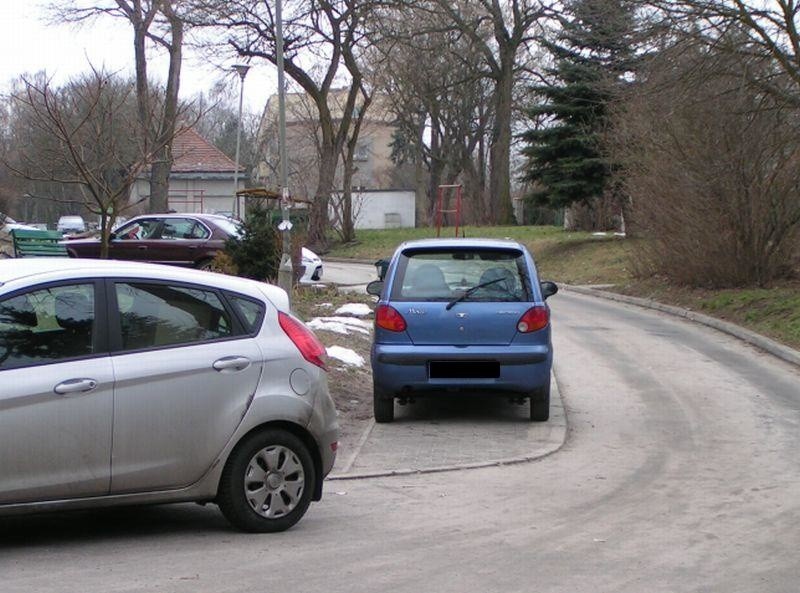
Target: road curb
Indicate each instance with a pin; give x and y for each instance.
(762, 342)
(350, 260)
(534, 456)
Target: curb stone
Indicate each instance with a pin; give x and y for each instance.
(764, 343)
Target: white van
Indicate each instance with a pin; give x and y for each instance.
(71, 224)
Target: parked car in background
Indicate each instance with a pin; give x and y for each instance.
(71, 225)
(461, 316)
(312, 264)
(9, 224)
(130, 383)
(227, 214)
(183, 239)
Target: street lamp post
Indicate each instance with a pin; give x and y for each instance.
(285, 271)
(241, 70)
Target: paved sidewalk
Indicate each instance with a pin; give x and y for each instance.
(455, 433)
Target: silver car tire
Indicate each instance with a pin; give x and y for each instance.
(267, 483)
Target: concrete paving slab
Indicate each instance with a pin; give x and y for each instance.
(434, 435)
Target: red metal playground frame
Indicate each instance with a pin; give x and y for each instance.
(440, 210)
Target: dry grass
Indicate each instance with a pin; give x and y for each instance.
(350, 386)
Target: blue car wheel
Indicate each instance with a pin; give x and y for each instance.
(382, 405)
(540, 404)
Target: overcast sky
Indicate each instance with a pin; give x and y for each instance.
(28, 45)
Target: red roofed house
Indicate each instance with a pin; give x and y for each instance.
(201, 179)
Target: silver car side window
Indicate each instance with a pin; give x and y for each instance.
(47, 325)
(158, 315)
(251, 312)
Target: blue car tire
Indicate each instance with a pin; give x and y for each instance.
(540, 404)
(382, 406)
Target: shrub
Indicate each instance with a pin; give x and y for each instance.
(712, 166)
(256, 254)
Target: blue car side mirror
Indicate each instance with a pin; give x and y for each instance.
(548, 288)
(375, 287)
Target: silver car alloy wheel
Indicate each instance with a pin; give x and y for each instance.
(274, 481)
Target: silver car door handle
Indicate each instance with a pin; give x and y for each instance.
(231, 363)
(74, 386)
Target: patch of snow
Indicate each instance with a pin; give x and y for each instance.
(340, 325)
(354, 309)
(346, 355)
(324, 305)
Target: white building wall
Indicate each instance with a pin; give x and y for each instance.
(382, 209)
(193, 195)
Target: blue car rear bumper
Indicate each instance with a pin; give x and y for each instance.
(405, 369)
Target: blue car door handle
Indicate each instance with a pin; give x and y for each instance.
(75, 386)
(231, 364)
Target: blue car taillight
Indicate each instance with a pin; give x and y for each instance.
(534, 319)
(389, 318)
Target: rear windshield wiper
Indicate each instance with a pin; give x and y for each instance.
(469, 291)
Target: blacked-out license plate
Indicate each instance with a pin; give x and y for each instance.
(470, 369)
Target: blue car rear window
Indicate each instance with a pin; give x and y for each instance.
(444, 275)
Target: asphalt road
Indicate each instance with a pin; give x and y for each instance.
(680, 473)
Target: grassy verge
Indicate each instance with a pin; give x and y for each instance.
(773, 312)
(582, 258)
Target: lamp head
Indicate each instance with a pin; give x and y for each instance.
(241, 69)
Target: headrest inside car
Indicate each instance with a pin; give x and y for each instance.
(74, 310)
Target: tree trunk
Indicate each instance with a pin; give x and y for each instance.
(142, 87)
(162, 167)
(159, 183)
(105, 234)
(420, 189)
(348, 224)
(318, 221)
(435, 178)
(500, 151)
(485, 209)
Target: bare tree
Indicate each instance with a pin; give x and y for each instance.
(347, 215)
(500, 31)
(441, 111)
(217, 119)
(712, 165)
(85, 137)
(159, 22)
(747, 29)
(322, 41)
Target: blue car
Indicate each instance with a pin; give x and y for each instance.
(461, 316)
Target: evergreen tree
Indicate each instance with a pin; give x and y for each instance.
(256, 253)
(592, 55)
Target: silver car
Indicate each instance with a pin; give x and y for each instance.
(131, 383)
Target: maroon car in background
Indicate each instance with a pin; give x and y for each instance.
(182, 239)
